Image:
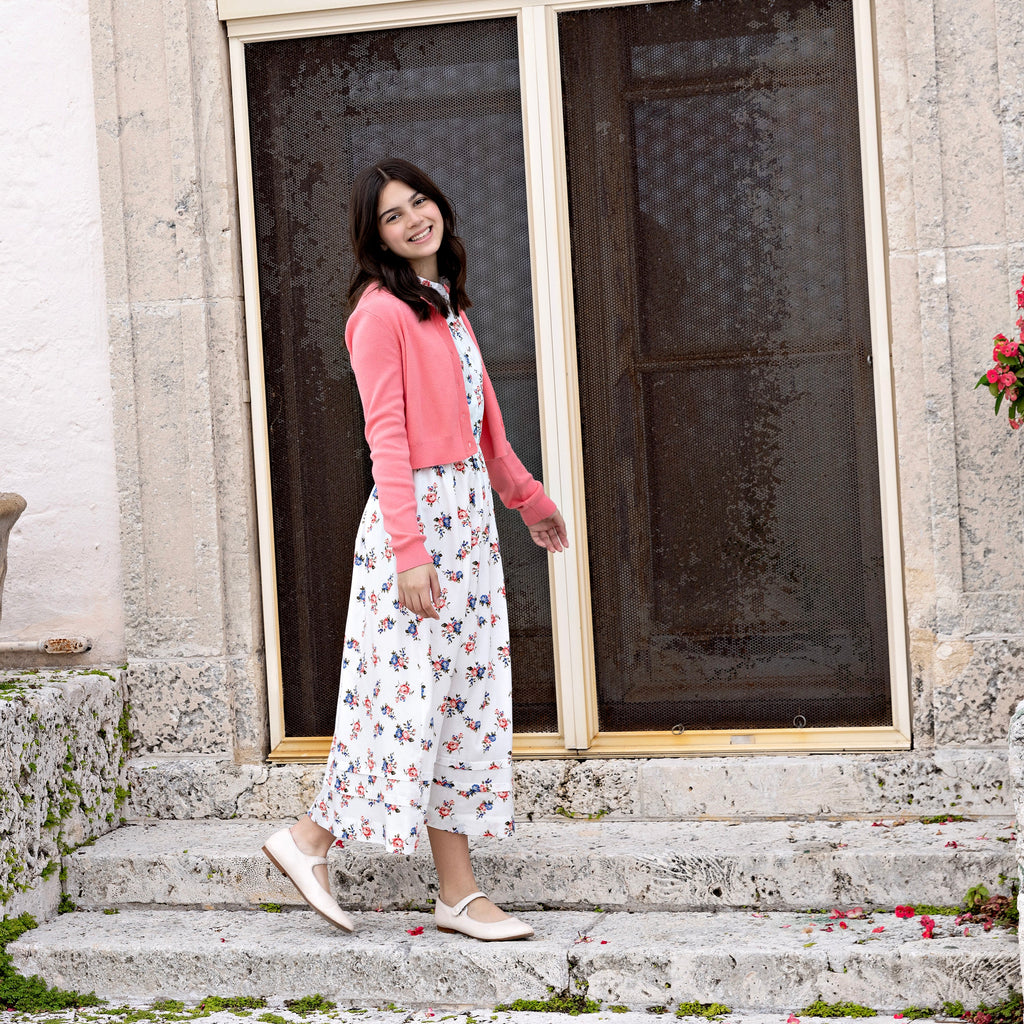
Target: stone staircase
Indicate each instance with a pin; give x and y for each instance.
(634, 912)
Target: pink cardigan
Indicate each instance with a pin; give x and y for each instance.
(414, 402)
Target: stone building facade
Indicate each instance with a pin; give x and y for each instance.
(950, 77)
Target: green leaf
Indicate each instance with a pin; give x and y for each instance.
(999, 400)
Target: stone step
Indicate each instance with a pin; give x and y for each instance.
(747, 785)
(575, 865)
(767, 962)
(385, 1013)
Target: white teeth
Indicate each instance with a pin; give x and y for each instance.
(422, 234)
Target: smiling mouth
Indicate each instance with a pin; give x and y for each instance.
(422, 235)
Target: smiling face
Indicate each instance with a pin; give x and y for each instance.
(411, 226)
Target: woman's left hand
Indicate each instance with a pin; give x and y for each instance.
(550, 533)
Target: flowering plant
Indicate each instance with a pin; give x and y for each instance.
(1004, 380)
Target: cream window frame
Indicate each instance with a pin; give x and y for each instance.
(260, 20)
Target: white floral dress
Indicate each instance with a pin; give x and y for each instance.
(423, 731)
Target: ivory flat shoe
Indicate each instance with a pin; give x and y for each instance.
(455, 919)
(298, 868)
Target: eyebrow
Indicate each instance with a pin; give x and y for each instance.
(391, 209)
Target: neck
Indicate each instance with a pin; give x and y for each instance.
(426, 267)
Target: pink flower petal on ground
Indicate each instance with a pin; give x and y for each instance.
(843, 924)
(604, 942)
(952, 843)
(835, 913)
(897, 1016)
(418, 930)
(904, 911)
(828, 928)
(880, 928)
(856, 913)
(792, 1019)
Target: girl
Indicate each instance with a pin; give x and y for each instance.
(423, 735)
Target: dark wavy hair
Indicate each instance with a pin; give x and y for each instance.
(376, 264)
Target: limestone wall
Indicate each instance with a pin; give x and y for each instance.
(56, 420)
(63, 777)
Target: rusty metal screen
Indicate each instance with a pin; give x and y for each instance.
(724, 351)
(447, 98)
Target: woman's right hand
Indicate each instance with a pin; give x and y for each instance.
(418, 590)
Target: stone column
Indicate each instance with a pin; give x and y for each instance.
(173, 282)
(951, 76)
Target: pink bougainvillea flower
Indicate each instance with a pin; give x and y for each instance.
(993, 376)
(880, 928)
(843, 924)
(835, 913)
(1020, 298)
(905, 911)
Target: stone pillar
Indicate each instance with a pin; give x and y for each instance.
(178, 365)
(951, 88)
(11, 507)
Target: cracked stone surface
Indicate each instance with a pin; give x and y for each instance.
(770, 961)
(756, 786)
(573, 865)
(61, 777)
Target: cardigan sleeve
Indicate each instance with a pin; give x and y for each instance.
(376, 354)
(518, 490)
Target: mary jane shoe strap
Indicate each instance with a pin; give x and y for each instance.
(465, 902)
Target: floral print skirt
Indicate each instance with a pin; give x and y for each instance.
(423, 732)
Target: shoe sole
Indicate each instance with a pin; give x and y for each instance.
(273, 860)
(510, 938)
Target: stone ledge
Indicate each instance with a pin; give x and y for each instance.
(770, 961)
(857, 785)
(63, 779)
(571, 865)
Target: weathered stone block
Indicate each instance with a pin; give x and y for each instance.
(968, 108)
(63, 777)
(977, 686)
(180, 707)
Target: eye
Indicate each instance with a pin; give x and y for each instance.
(418, 200)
